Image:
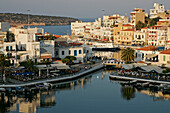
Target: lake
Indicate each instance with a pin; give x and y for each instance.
(94, 93)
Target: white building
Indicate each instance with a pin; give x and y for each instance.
(48, 45)
(4, 26)
(157, 8)
(109, 21)
(24, 47)
(147, 54)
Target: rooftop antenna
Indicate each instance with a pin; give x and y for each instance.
(103, 12)
(28, 18)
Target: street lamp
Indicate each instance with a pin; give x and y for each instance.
(28, 18)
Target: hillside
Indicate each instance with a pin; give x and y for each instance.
(35, 20)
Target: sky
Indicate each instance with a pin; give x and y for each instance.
(78, 8)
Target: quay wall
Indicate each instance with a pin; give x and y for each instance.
(117, 77)
(62, 79)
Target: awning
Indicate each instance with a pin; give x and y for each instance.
(26, 73)
(152, 68)
(63, 67)
(151, 55)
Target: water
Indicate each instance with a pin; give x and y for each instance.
(94, 93)
(61, 29)
(56, 30)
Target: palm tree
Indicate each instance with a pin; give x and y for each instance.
(128, 55)
(30, 66)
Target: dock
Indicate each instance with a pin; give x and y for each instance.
(62, 79)
(119, 77)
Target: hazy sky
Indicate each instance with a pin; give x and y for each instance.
(77, 8)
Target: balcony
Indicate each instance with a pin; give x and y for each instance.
(10, 49)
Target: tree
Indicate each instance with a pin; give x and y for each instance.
(128, 55)
(154, 21)
(30, 65)
(10, 37)
(167, 70)
(140, 25)
(69, 59)
(3, 63)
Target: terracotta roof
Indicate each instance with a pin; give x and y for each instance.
(87, 29)
(165, 52)
(112, 17)
(156, 26)
(57, 36)
(148, 48)
(61, 44)
(128, 25)
(145, 28)
(45, 57)
(129, 30)
(75, 44)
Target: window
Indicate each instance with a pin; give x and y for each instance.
(7, 48)
(75, 52)
(84, 50)
(10, 47)
(62, 52)
(80, 52)
(69, 52)
(56, 52)
(164, 58)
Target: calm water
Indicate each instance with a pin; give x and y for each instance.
(62, 29)
(57, 30)
(94, 93)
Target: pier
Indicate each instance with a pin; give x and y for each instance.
(62, 79)
(119, 77)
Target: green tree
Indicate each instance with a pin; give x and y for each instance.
(3, 64)
(167, 70)
(140, 25)
(10, 37)
(128, 92)
(68, 59)
(128, 55)
(154, 21)
(30, 65)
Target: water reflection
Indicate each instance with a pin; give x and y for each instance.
(28, 103)
(128, 92)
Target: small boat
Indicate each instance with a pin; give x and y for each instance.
(2, 90)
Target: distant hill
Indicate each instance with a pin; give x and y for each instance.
(35, 20)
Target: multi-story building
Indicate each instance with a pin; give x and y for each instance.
(2, 36)
(140, 37)
(164, 57)
(157, 35)
(124, 37)
(168, 38)
(24, 46)
(78, 28)
(137, 15)
(109, 21)
(4, 26)
(157, 11)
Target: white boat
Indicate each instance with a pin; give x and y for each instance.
(113, 62)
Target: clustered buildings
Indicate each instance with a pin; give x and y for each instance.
(21, 44)
(120, 30)
(154, 31)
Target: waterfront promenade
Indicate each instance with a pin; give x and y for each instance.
(63, 78)
(119, 77)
